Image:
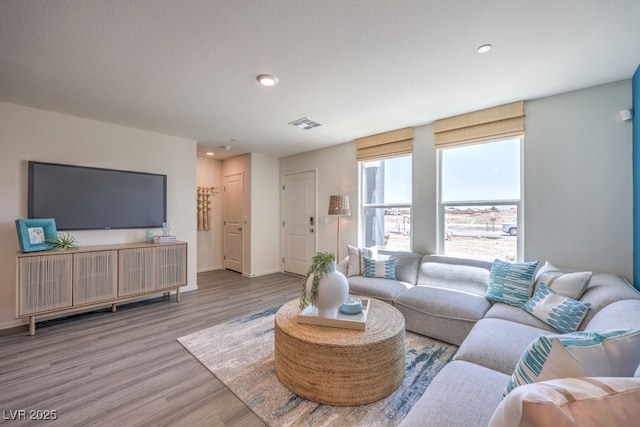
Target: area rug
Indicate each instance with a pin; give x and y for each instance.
(240, 354)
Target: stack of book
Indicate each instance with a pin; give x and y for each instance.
(164, 239)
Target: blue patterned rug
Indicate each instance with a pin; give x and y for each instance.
(240, 354)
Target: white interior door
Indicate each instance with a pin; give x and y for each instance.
(233, 222)
(299, 221)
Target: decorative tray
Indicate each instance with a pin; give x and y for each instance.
(309, 316)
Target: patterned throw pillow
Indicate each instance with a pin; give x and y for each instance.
(571, 285)
(611, 353)
(356, 259)
(510, 283)
(385, 269)
(564, 314)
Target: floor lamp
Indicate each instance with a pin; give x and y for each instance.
(339, 205)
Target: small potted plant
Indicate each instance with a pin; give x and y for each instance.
(323, 286)
(63, 242)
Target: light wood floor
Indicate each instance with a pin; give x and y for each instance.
(126, 368)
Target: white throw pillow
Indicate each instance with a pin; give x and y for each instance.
(572, 285)
(591, 401)
(612, 353)
(356, 259)
(564, 314)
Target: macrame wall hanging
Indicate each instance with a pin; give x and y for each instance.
(204, 206)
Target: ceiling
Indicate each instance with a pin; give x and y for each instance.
(188, 67)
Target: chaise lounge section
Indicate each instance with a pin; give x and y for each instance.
(445, 298)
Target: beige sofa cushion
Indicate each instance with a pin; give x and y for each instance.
(569, 402)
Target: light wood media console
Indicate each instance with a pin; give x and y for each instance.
(58, 282)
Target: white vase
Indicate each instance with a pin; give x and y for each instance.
(333, 289)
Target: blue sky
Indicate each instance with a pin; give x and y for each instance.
(489, 171)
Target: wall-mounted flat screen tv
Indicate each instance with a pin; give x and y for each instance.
(87, 198)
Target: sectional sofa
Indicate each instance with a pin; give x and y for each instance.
(446, 298)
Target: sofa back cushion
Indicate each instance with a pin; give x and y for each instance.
(623, 314)
(460, 274)
(407, 264)
(604, 289)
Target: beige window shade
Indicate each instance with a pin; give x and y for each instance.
(388, 144)
(493, 123)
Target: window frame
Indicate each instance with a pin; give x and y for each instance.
(363, 206)
(519, 203)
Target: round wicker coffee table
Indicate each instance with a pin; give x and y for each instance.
(341, 367)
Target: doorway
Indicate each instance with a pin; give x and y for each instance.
(233, 224)
(299, 221)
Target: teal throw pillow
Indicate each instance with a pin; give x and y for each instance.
(385, 269)
(564, 314)
(510, 283)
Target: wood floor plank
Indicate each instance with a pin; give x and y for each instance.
(126, 368)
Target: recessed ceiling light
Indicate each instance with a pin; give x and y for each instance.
(267, 80)
(484, 48)
(209, 153)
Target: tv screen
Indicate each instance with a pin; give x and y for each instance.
(86, 198)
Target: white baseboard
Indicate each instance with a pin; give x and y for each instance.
(14, 323)
(262, 273)
(205, 269)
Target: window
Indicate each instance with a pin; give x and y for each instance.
(385, 195)
(480, 200)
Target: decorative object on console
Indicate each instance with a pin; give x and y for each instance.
(166, 229)
(339, 205)
(165, 239)
(324, 286)
(148, 236)
(36, 234)
(63, 242)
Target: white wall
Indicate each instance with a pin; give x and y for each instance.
(265, 215)
(31, 134)
(577, 182)
(209, 174)
(577, 179)
(337, 174)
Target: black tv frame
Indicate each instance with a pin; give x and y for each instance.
(92, 198)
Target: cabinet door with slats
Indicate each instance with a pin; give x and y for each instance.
(171, 266)
(136, 271)
(95, 276)
(44, 283)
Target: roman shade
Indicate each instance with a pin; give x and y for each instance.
(499, 122)
(388, 144)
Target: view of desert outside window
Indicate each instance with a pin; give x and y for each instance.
(481, 232)
(471, 231)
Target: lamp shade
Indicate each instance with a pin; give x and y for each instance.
(339, 205)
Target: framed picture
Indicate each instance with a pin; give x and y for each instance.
(35, 234)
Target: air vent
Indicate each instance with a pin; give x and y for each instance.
(305, 123)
